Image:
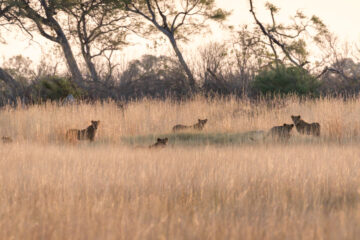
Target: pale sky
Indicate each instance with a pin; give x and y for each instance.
(341, 17)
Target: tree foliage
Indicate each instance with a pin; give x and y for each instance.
(287, 43)
(99, 27)
(43, 15)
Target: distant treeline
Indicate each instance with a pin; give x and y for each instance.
(269, 58)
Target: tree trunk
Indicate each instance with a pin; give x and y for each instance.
(92, 70)
(70, 59)
(90, 65)
(68, 54)
(50, 22)
(182, 62)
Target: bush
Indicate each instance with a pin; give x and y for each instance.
(285, 80)
(55, 88)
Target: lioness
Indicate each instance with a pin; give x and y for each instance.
(160, 142)
(306, 128)
(84, 134)
(281, 132)
(197, 126)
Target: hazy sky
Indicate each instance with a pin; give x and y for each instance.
(342, 18)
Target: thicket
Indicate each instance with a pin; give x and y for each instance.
(162, 77)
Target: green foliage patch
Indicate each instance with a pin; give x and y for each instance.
(56, 88)
(285, 80)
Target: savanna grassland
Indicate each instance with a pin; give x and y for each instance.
(216, 184)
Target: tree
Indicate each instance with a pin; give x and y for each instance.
(4, 9)
(251, 53)
(43, 14)
(154, 77)
(175, 19)
(346, 83)
(291, 40)
(98, 27)
(11, 83)
(213, 56)
(20, 68)
(288, 42)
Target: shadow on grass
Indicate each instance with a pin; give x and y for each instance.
(196, 139)
(230, 139)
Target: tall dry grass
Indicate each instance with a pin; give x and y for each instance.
(50, 189)
(48, 122)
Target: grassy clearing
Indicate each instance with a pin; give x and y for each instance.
(214, 184)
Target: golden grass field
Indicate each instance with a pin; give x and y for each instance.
(308, 188)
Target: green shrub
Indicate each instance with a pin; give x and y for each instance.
(56, 88)
(285, 80)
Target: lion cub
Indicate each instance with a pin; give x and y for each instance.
(84, 134)
(306, 128)
(281, 132)
(197, 126)
(160, 142)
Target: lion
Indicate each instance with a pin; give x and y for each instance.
(277, 132)
(84, 134)
(180, 127)
(306, 128)
(281, 132)
(160, 142)
(197, 126)
(200, 125)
